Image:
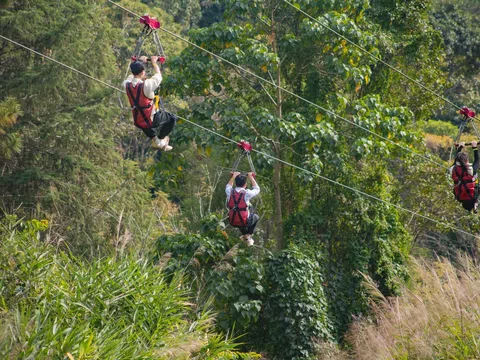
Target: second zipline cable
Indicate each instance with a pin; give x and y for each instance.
(289, 92)
(451, 227)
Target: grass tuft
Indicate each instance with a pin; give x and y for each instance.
(438, 319)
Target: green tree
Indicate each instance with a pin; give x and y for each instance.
(296, 53)
(69, 169)
(408, 41)
(350, 235)
(456, 20)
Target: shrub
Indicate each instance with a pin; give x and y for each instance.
(55, 306)
(295, 306)
(439, 128)
(368, 238)
(237, 286)
(230, 274)
(198, 251)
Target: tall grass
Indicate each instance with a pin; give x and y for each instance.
(438, 319)
(53, 306)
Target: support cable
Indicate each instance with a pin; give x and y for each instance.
(289, 92)
(260, 152)
(418, 83)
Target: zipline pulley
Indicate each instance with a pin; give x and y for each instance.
(151, 25)
(245, 149)
(468, 115)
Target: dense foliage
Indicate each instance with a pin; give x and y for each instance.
(54, 305)
(292, 275)
(134, 258)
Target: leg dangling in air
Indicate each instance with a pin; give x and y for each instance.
(164, 122)
(156, 142)
(247, 231)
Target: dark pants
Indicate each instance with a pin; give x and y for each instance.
(163, 124)
(469, 205)
(251, 224)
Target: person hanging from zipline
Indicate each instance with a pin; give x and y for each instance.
(241, 213)
(464, 176)
(156, 124)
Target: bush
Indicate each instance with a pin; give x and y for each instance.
(55, 306)
(231, 275)
(237, 286)
(368, 238)
(295, 307)
(439, 128)
(199, 251)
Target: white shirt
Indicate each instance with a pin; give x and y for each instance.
(249, 194)
(469, 169)
(149, 87)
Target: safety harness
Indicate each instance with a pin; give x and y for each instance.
(245, 148)
(467, 115)
(142, 106)
(237, 209)
(465, 184)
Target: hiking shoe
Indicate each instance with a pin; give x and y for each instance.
(156, 144)
(159, 144)
(165, 140)
(249, 241)
(167, 148)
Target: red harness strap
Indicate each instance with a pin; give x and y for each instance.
(142, 106)
(464, 184)
(238, 214)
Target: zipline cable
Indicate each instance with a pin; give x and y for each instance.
(59, 63)
(288, 91)
(376, 57)
(259, 152)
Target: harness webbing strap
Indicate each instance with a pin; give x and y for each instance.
(464, 183)
(249, 158)
(136, 107)
(475, 129)
(236, 209)
(463, 124)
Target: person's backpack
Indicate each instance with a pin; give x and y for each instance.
(237, 209)
(465, 184)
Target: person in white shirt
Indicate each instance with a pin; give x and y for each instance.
(241, 192)
(141, 92)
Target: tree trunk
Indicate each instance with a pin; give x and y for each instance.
(278, 199)
(278, 165)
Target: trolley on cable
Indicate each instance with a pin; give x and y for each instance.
(151, 25)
